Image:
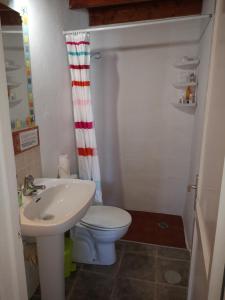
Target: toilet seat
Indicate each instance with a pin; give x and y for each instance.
(106, 218)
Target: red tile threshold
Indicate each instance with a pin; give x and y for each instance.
(145, 229)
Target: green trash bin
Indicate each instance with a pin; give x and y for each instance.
(69, 266)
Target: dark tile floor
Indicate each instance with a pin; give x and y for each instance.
(155, 228)
(142, 272)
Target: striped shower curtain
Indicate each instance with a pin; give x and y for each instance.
(78, 47)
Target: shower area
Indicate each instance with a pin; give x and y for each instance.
(145, 137)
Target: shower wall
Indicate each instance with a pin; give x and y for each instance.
(144, 142)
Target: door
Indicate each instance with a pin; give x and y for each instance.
(204, 55)
(208, 251)
(12, 271)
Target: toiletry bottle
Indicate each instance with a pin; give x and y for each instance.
(192, 77)
(188, 94)
(192, 94)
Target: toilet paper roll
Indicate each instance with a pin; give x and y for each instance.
(64, 166)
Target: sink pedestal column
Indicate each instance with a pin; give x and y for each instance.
(51, 266)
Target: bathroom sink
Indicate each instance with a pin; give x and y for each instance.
(57, 208)
(47, 216)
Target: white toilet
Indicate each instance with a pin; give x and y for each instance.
(95, 235)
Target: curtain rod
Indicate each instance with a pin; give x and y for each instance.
(140, 23)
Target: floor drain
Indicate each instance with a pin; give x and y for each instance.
(47, 217)
(172, 277)
(163, 225)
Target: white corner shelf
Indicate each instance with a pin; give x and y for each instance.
(188, 65)
(12, 67)
(13, 85)
(183, 85)
(15, 102)
(182, 105)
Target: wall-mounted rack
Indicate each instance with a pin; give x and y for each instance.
(12, 67)
(13, 103)
(184, 105)
(183, 85)
(13, 85)
(188, 66)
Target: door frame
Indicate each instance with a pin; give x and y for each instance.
(13, 278)
(218, 259)
(213, 260)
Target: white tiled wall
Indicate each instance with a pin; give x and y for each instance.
(28, 162)
(144, 142)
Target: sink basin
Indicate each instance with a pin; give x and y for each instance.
(57, 208)
(47, 216)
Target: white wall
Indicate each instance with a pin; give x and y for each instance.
(204, 55)
(50, 75)
(144, 143)
(51, 82)
(75, 19)
(208, 6)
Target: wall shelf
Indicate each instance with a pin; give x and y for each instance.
(183, 85)
(11, 67)
(188, 65)
(15, 102)
(13, 85)
(185, 106)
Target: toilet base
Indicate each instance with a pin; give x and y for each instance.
(88, 250)
(106, 253)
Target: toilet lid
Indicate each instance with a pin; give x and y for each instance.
(106, 217)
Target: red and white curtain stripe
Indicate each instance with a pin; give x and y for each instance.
(78, 47)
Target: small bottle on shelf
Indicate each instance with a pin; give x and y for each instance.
(192, 77)
(188, 94)
(192, 95)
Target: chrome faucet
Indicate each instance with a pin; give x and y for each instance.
(29, 188)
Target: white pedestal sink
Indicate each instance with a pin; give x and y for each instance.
(47, 216)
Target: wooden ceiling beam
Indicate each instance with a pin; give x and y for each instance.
(75, 4)
(155, 9)
(4, 7)
(10, 19)
(9, 16)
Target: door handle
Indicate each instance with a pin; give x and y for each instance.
(192, 187)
